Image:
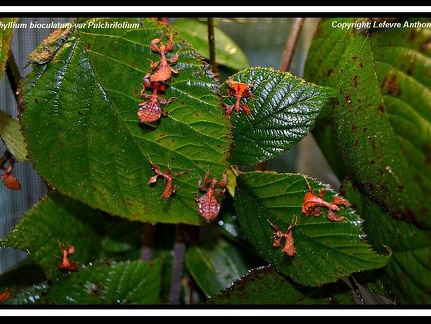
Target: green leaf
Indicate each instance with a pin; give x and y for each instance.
(25, 282)
(325, 250)
(283, 111)
(83, 134)
(266, 286)
(56, 218)
(215, 265)
(382, 116)
(6, 35)
(131, 282)
(406, 276)
(10, 132)
(227, 53)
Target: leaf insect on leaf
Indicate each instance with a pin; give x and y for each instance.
(240, 90)
(289, 247)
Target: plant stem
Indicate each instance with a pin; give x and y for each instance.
(292, 41)
(177, 266)
(148, 239)
(13, 75)
(211, 43)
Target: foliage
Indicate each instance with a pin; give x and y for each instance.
(80, 130)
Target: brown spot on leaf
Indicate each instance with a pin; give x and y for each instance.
(390, 84)
(355, 81)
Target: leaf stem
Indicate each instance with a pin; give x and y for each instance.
(177, 266)
(291, 43)
(211, 43)
(13, 74)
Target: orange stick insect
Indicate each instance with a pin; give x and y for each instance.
(9, 180)
(151, 110)
(167, 179)
(66, 263)
(312, 204)
(240, 90)
(208, 204)
(289, 247)
(5, 295)
(163, 70)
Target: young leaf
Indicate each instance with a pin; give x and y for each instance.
(215, 265)
(325, 250)
(283, 111)
(10, 132)
(82, 130)
(6, 36)
(227, 53)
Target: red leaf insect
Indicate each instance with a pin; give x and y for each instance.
(151, 110)
(289, 247)
(163, 70)
(167, 179)
(240, 90)
(208, 204)
(312, 204)
(66, 263)
(9, 179)
(5, 295)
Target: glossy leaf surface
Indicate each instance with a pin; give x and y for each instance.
(283, 110)
(325, 250)
(131, 282)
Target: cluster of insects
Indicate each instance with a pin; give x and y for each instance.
(208, 203)
(9, 180)
(150, 109)
(311, 205)
(66, 263)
